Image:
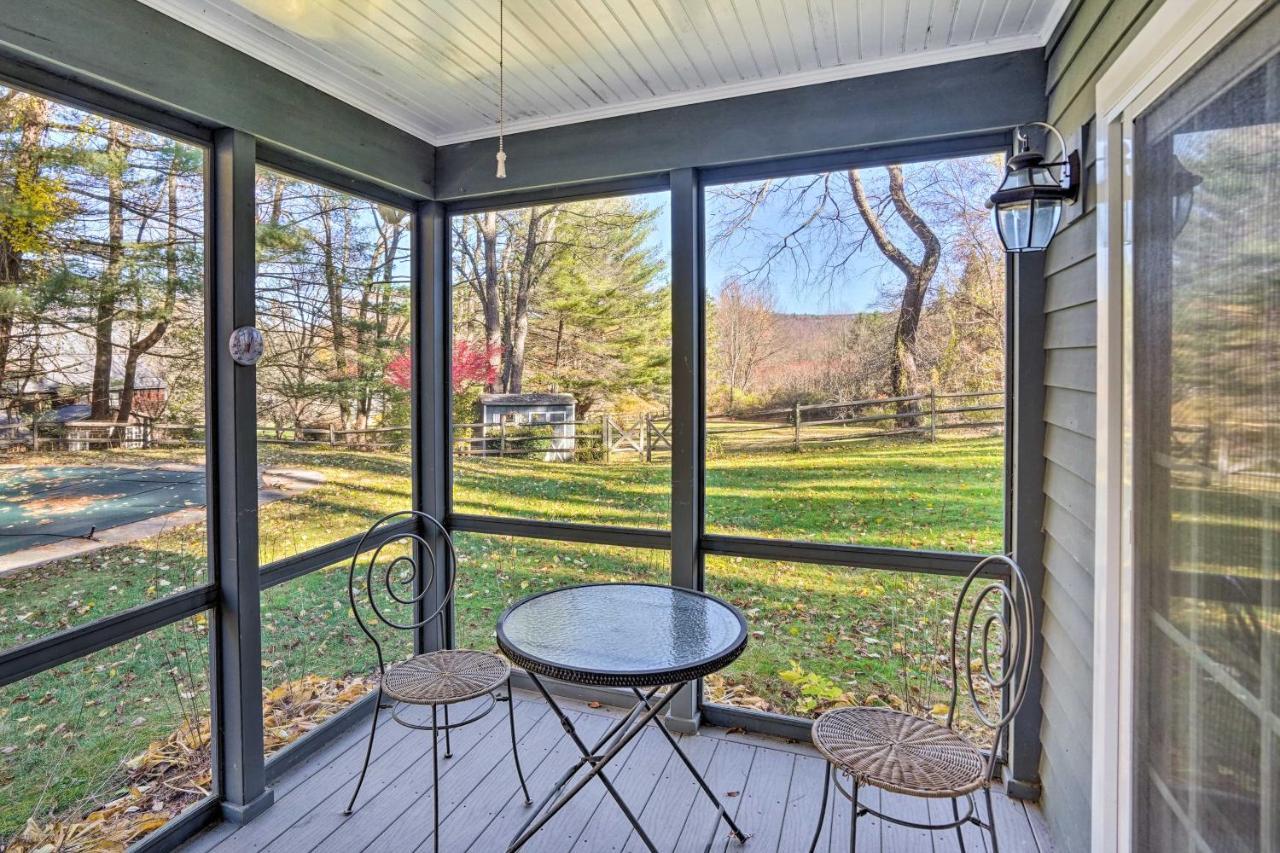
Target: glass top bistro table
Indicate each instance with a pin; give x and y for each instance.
(642, 637)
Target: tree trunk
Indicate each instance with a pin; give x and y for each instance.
(149, 340)
(519, 335)
(903, 374)
(333, 286)
(490, 301)
(277, 202)
(541, 228)
(26, 169)
(109, 286)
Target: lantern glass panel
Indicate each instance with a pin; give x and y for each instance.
(1182, 204)
(1041, 177)
(1013, 219)
(1044, 222)
(1015, 179)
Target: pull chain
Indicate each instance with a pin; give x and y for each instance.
(502, 88)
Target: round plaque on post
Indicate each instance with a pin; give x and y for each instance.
(246, 346)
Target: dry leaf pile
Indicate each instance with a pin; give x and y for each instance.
(722, 692)
(173, 773)
(296, 707)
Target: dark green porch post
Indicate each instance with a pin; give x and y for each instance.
(430, 392)
(1025, 525)
(233, 484)
(686, 406)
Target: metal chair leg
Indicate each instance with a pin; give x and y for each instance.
(448, 746)
(853, 816)
(955, 811)
(368, 751)
(515, 749)
(435, 776)
(991, 816)
(822, 810)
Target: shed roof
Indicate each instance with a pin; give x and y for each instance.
(526, 399)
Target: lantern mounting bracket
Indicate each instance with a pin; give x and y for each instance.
(1068, 169)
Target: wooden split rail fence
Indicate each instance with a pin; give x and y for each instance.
(845, 421)
(146, 435)
(603, 438)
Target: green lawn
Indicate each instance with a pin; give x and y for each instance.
(818, 633)
(897, 493)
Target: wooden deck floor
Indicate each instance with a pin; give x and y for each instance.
(772, 787)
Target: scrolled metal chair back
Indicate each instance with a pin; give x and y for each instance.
(1008, 611)
(388, 576)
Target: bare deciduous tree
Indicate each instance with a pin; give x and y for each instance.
(745, 336)
(903, 371)
(918, 233)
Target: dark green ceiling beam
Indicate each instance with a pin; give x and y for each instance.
(956, 99)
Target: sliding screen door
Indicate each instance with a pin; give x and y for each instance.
(1206, 488)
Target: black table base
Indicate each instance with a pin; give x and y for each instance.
(596, 757)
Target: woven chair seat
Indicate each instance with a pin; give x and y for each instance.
(445, 677)
(899, 752)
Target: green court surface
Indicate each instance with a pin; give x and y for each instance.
(39, 506)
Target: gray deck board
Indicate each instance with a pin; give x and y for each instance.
(637, 782)
(764, 801)
(560, 833)
(772, 787)
(803, 800)
(503, 826)
(668, 808)
(727, 776)
(399, 815)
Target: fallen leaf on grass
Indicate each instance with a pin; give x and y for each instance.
(171, 774)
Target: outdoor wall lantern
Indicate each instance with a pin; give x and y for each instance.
(1184, 186)
(1028, 205)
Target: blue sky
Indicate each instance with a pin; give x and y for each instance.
(858, 293)
(858, 288)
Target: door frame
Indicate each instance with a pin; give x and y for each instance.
(1180, 35)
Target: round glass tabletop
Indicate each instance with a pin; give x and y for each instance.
(624, 634)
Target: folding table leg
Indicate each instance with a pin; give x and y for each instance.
(733, 827)
(625, 735)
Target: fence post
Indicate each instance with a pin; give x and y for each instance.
(795, 424)
(502, 436)
(647, 442)
(333, 439)
(35, 433)
(933, 414)
(606, 436)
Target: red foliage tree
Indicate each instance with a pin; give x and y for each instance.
(400, 370)
(472, 364)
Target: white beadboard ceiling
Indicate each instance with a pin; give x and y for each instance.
(429, 67)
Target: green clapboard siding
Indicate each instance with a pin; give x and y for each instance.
(1091, 35)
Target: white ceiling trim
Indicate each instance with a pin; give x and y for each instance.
(345, 79)
(751, 87)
